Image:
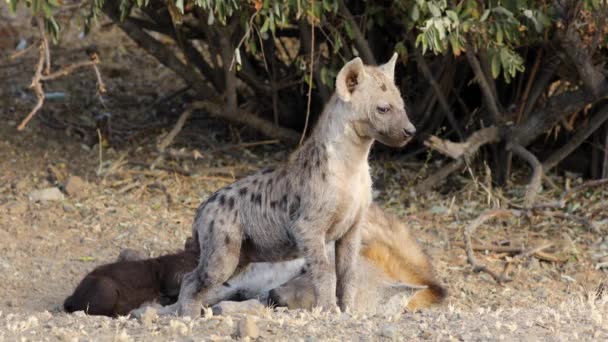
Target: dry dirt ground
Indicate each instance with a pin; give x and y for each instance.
(47, 247)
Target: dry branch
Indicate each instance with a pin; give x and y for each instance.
(245, 118)
(438, 92)
(467, 148)
(581, 135)
(167, 140)
(360, 41)
(470, 229)
(483, 83)
(534, 186)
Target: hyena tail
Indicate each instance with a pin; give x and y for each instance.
(389, 244)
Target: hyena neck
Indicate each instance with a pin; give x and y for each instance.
(335, 130)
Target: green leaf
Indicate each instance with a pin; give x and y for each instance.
(415, 13)
(452, 15)
(485, 15)
(435, 11)
(349, 30)
(495, 66)
(499, 35)
(440, 28)
(265, 25)
(180, 5)
(13, 5)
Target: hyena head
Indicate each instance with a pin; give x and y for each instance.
(377, 106)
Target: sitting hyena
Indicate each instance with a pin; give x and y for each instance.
(318, 196)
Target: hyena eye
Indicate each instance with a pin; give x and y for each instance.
(383, 110)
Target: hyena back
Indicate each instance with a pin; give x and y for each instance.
(318, 196)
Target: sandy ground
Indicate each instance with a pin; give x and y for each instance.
(47, 247)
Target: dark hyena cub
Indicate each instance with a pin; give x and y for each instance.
(117, 288)
(318, 196)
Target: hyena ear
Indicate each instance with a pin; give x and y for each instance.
(388, 69)
(349, 78)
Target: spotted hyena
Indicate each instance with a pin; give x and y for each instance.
(318, 196)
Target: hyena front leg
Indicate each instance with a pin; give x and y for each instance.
(347, 254)
(219, 258)
(312, 245)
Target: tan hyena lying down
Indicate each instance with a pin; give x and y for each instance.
(390, 256)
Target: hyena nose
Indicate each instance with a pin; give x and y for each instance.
(409, 131)
(274, 299)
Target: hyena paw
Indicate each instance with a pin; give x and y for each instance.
(327, 305)
(191, 310)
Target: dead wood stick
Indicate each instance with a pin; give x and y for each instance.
(248, 119)
(484, 85)
(37, 86)
(67, 70)
(161, 167)
(443, 102)
(534, 185)
(22, 52)
(166, 141)
(561, 203)
(247, 144)
(577, 139)
(360, 41)
(467, 148)
(470, 229)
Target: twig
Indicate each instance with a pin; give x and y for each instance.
(37, 86)
(248, 144)
(22, 52)
(248, 119)
(440, 95)
(531, 78)
(470, 229)
(310, 75)
(483, 83)
(100, 142)
(41, 75)
(360, 41)
(561, 203)
(467, 148)
(45, 43)
(161, 167)
(534, 185)
(536, 252)
(577, 139)
(166, 141)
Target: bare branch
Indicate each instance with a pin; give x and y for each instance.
(37, 86)
(489, 98)
(440, 95)
(537, 172)
(469, 147)
(168, 139)
(360, 42)
(581, 135)
(591, 75)
(312, 68)
(245, 118)
(470, 229)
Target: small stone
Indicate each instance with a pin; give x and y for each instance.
(247, 328)
(252, 307)
(76, 187)
(48, 194)
(149, 316)
(390, 331)
(68, 208)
